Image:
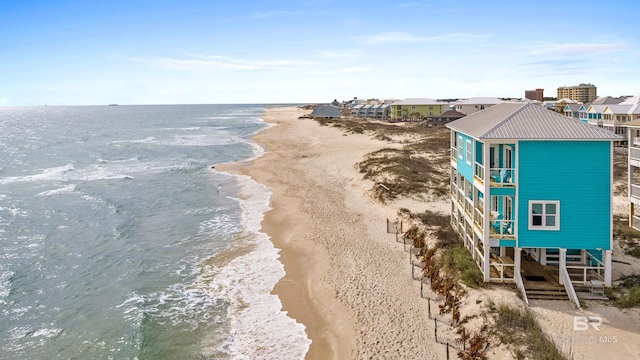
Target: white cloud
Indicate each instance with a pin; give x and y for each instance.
(404, 37)
(340, 54)
(355, 69)
(578, 49)
(390, 37)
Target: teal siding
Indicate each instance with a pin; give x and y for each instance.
(463, 168)
(478, 153)
(508, 191)
(508, 243)
(576, 173)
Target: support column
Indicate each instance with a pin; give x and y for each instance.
(606, 257)
(517, 259)
(543, 256)
(487, 262)
(630, 213)
(503, 251)
(563, 264)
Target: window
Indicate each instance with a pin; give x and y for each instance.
(469, 152)
(460, 146)
(544, 215)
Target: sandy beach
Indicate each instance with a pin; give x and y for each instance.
(347, 280)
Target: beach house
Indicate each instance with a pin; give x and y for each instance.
(416, 109)
(475, 104)
(633, 174)
(531, 197)
(326, 111)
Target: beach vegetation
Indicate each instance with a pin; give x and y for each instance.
(630, 299)
(628, 238)
(519, 328)
(477, 348)
(458, 259)
(418, 167)
(627, 293)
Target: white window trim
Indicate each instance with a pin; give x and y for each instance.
(544, 227)
(460, 147)
(468, 152)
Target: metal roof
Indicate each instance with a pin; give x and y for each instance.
(417, 101)
(480, 100)
(527, 121)
(630, 101)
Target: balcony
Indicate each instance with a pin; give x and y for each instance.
(504, 176)
(636, 141)
(501, 228)
(634, 153)
(454, 153)
(478, 171)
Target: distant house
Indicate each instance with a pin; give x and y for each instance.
(560, 104)
(357, 111)
(475, 104)
(521, 179)
(326, 111)
(446, 117)
(594, 114)
(572, 110)
(415, 109)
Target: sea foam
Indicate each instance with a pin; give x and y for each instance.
(259, 327)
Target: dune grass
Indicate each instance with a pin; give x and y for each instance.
(518, 327)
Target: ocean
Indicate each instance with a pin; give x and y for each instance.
(119, 241)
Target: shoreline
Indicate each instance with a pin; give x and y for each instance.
(283, 223)
(346, 280)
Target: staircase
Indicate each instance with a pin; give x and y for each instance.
(546, 292)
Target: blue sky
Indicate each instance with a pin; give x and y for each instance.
(175, 52)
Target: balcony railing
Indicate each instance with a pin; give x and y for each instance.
(635, 191)
(479, 171)
(504, 268)
(634, 153)
(503, 176)
(468, 206)
(478, 218)
(454, 153)
(502, 228)
(635, 222)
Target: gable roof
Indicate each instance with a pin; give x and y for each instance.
(527, 121)
(452, 114)
(480, 100)
(618, 109)
(572, 107)
(596, 108)
(607, 100)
